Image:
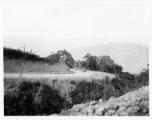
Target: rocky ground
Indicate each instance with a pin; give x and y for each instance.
(134, 103)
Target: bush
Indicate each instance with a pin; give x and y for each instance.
(115, 69)
(143, 78)
(104, 89)
(88, 91)
(33, 99)
(53, 58)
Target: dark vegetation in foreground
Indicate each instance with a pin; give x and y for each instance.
(35, 98)
(104, 89)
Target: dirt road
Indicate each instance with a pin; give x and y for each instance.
(72, 76)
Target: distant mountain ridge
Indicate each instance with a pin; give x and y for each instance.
(132, 57)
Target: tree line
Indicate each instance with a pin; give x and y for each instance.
(101, 63)
(89, 62)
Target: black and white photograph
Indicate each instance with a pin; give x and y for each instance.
(76, 57)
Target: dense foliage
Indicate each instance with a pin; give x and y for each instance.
(10, 53)
(33, 99)
(104, 89)
(91, 62)
(101, 63)
(53, 57)
(88, 91)
(62, 55)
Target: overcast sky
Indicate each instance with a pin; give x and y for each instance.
(46, 26)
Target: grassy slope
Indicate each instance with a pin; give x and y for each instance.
(16, 60)
(20, 55)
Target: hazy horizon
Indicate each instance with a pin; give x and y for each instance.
(27, 49)
(48, 26)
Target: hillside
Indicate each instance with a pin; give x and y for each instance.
(134, 103)
(10, 54)
(132, 57)
(16, 66)
(16, 61)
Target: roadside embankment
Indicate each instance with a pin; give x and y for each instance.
(16, 66)
(134, 103)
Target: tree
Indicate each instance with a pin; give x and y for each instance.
(53, 57)
(62, 55)
(117, 68)
(101, 63)
(87, 56)
(105, 60)
(106, 64)
(66, 57)
(83, 64)
(91, 62)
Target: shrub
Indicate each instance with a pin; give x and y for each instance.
(110, 68)
(33, 99)
(143, 78)
(87, 91)
(104, 89)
